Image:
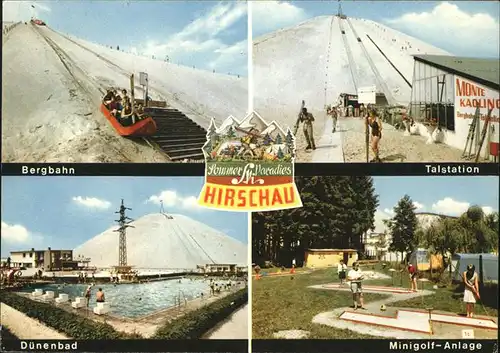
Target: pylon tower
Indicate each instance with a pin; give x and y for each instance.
(123, 223)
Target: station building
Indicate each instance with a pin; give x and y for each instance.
(446, 90)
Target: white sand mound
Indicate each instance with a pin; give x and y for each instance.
(310, 62)
(159, 242)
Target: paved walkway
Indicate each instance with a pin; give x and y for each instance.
(329, 149)
(236, 327)
(25, 327)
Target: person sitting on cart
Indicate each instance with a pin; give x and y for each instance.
(108, 98)
(139, 112)
(115, 106)
(126, 118)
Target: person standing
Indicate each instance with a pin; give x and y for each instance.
(355, 276)
(88, 293)
(100, 296)
(412, 271)
(471, 291)
(376, 132)
(341, 270)
(308, 119)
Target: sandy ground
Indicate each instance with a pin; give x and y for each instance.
(394, 146)
(235, 327)
(25, 327)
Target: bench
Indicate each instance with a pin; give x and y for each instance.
(102, 308)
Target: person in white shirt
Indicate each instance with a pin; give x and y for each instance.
(355, 276)
(341, 271)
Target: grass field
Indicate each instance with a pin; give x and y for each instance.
(282, 303)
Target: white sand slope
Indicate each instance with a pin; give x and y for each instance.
(159, 242)
(50, 110)
(311, 62)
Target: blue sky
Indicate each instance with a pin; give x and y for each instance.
(206, 34)
(463, 28)
(443, 195)
(64, 212)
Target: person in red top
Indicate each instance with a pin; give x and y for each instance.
(412, 271)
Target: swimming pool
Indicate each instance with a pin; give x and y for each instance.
(135, 300)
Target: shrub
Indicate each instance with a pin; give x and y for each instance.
(6, 334)
(70, 324)
(196, 323)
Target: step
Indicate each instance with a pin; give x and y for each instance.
(177, 123)
(182, 151)
(168, 131)
(183, 136)
(166, 113)
(196, 156)
(181, 145)
(181, 140)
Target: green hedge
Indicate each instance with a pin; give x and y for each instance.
(6, 334)
(196, 323)
(70, 324)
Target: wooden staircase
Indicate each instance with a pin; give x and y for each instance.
(177, 135)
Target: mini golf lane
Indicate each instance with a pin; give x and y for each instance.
(416, 321)
(371, 288)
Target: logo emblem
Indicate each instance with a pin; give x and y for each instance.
(249, 166)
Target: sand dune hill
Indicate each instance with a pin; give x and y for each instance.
(314, 61)
(159, 242)
(54, 83)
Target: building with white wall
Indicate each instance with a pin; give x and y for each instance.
(446, 91)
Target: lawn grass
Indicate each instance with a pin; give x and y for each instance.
(449, 298)
(283, 303)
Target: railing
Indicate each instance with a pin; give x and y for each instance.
(7, 29)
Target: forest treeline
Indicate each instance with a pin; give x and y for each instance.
(338, 211)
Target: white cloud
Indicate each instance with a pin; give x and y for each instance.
(92, 202)
(389, 211)
(15, 233)
(488, 210)
(202, 37)
(418, 206)
(268, 16)
(13, 11)
(171, 198)
(453, 29)
(450, 207)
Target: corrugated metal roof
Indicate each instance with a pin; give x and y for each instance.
(483, 69)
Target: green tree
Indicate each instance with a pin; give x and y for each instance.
(231, 133)
(267, 140)
(280, 154)
(403, 226)
(279, 139)
(289, 139)
(336, 212)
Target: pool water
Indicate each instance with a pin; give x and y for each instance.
(135, 300)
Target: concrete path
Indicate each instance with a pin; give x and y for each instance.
(25, 327)
(236, 327)
(399, 322)
(332, 318)
(329, 149)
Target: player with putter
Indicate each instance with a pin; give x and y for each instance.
(471, 291)
(355, 276)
